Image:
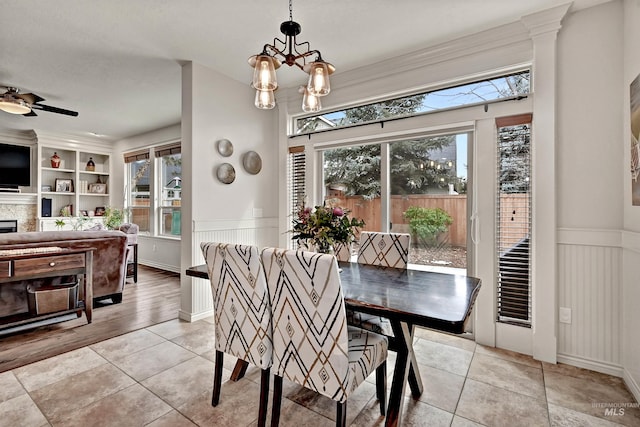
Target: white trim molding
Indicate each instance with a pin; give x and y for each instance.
(631, 240)
(590, 237)
(631, 384)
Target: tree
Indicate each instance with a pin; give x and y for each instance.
(414, 168)
(416, 165)
(515, 155)
(357, 169)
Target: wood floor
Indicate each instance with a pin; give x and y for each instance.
(154, 299)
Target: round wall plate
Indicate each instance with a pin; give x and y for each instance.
(226, 173)
(225, 147)
(252, 162)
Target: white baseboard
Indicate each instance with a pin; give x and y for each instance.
(193, 317)
(592, 365)
(160, 266)
(631, 384)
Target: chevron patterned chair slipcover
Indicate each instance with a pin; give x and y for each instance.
(386, 250)
(342, 251)
(312, 344)
(242, 312)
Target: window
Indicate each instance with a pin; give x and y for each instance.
(159, 180)
(513, 225)
(426, 193)
(138, 196)
(169, 161)
(494, 89)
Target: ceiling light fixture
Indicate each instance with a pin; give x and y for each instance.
(13, 105)
(266, 63)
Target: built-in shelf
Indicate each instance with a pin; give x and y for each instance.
(59, 170)
(73, 163)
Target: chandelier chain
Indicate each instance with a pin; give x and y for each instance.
(290, 11)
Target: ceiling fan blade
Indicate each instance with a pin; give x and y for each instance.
(30, 114)
(30, 98)
(53, 109)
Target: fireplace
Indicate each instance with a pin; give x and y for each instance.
(8, 225)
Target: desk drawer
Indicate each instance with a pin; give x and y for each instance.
(5, 269)
(27, 267)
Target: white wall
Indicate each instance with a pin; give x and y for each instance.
(589, 114)
(589, 256)
(215, 107)
(631, 232)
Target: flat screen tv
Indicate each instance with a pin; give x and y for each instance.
(15, 166)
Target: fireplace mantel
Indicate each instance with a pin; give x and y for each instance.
(18, 198)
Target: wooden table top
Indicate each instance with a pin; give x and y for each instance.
(434, 300)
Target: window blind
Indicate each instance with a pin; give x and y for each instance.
(135, 156)
(296, 178)
(513, 222)
(167, 150)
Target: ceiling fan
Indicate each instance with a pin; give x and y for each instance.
(24, 103)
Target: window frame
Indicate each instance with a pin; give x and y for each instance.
(154, 154)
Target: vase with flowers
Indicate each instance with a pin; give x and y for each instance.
(323, 227)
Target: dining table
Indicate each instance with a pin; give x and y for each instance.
(408, 298)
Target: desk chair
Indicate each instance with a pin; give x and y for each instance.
(312, 344)
(242, 312)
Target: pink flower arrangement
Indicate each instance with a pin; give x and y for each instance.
(324, 226)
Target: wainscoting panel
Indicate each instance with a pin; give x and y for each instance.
(590, 285)
(261, 232)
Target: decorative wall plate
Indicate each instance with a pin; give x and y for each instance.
(225, 147)
(252, 162)
(226, 173)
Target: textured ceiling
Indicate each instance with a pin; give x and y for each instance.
(117, 62)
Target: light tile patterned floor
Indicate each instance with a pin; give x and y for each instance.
(162, 376)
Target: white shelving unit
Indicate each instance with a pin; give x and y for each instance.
(71, 184)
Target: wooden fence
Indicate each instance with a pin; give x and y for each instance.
(514, 208)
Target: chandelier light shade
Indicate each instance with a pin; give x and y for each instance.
(264, 72)
(292, 53)
(310, 103)
(319, 72)
(265, 99)
(14, 106)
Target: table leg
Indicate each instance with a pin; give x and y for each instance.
(88, 285)
(239, 370)
(400, 372)
(415, 381)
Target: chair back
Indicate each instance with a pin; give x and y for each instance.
(242, 312)
(310, 340)
(384, 249)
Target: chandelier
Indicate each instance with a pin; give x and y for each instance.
(292, 53)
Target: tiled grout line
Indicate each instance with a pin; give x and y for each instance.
(473, 352)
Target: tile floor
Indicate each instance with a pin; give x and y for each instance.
(162, 376)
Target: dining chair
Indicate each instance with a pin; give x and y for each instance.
(312, 344)
(386, 250)
(242, 313)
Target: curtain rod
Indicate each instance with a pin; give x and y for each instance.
(393, 119)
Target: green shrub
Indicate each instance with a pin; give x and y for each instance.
(113, 218)
(427, 223)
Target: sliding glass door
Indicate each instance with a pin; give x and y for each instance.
(416, 186)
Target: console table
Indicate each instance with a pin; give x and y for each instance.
(18, 265)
